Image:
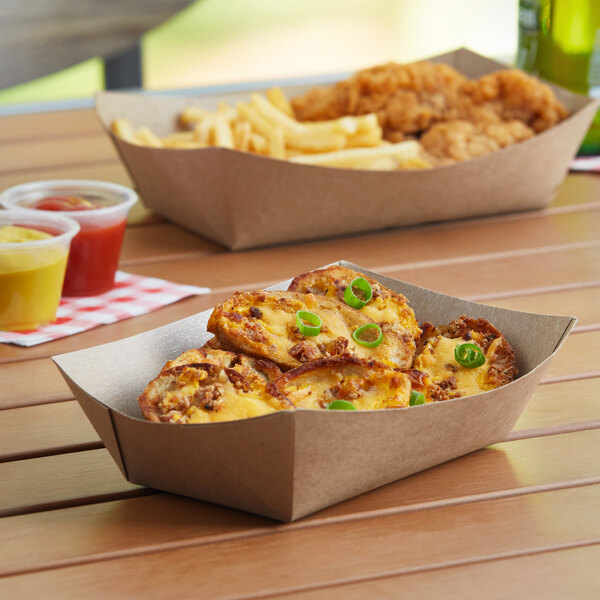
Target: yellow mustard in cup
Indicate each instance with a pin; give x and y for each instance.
(33, 259)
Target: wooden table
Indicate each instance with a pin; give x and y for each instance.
(521, 517)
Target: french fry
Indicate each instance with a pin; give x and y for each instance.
(124, 129)
(223, 133)
(277, 98)
(204, 129)
(192, 115)
(382, 163)
(258, 122)
(175, 140)
(242, 131)
(146, 137)
(311, 142)
(271, 113)
(258, 143)
(183, 145)
(345, 125)
(227, 112)
(276, 141)
(418, 162)
(352, 157)
(367, 139)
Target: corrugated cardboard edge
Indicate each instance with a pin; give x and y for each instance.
(295, 454)
(223, 191)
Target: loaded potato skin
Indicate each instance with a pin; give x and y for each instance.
(263, 324)
(440, 376)
(367, 384)
(203, 386)
(386, 306)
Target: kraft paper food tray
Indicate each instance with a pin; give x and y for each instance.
(243, 200)
(288, 464)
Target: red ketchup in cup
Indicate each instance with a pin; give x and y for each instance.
(101, 211)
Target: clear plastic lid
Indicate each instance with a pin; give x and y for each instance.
(111, 200)
(63, 228)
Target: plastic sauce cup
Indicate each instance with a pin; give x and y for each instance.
(32, 271)
(95, 251)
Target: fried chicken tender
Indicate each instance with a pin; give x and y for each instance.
(462, 140)
(263, 324)
(367, 384)
(406, 98)
(205, 386)
(455, 118)
(511, 94)
(438, 375)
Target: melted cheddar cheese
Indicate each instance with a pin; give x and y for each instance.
(438, 363)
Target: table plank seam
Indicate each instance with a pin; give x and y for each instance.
(471, 258)
(425, 569)
(59, 137)
(72, 502)
(546, 431)
(563, 378)
(308, 523)
(84, 163)
(53, 451)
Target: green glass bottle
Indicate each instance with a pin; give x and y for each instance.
(559, 40)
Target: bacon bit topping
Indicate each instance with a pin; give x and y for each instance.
(255, 332)
(347, 389)
(303, 351)
(238, 380)
(448, 383)
(209, 397)
(255, 312)
(336, 347)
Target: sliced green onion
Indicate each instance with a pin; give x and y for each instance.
(356, 335)
(352, 299)
(314, 327)
(416, 398)
(341, 405)
(470, 356)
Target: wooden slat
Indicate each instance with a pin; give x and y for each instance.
(557, 574)
(22, 156)
(487, 273)
(161, 241)
(577, 188)
(505, 469)
(339, 553)
(46, 386)
(579, 357)
(60, 123)
(50, 481)
(559, 407)
(584, 303)
(44, 430)
(111, 171)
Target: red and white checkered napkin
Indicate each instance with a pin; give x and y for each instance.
(132, 295)
(589, 164)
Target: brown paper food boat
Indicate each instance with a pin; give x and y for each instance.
(288, 464)
(243, 200)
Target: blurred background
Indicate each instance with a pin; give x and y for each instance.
(211, 42)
